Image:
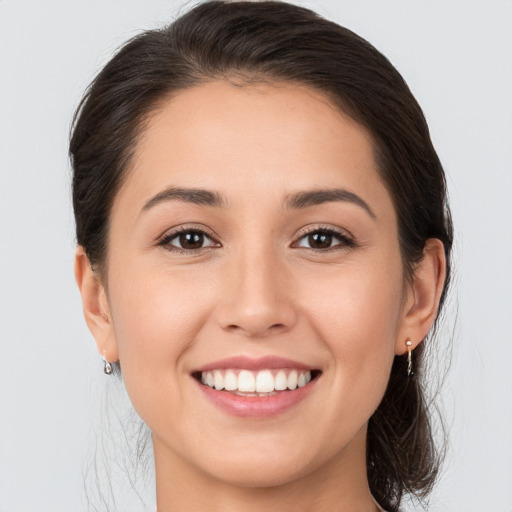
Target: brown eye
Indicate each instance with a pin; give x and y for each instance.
(324, 239)
(187, 240)
(320, 240)
(191, 240)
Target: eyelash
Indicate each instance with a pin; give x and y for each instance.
(166, 240)
(345, 240)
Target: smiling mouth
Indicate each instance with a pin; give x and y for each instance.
(263, 383)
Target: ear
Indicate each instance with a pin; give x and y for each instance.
(95, 306)
(423, 295)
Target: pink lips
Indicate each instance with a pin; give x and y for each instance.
(255, 406)
(247, 363)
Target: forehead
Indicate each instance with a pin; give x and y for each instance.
(255, 139)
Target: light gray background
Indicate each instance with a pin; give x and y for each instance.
(457, 58)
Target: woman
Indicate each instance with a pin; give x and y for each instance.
(263, 246)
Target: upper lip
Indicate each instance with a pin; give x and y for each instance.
(255, 364)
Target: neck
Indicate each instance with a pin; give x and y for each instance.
(340, 485)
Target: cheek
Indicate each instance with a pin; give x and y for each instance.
(357, 316)
(157, 316)
(357, 300)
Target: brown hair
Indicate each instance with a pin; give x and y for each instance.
(275, 41)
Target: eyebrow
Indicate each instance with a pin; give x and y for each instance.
(297, 200)
(316, 197)
(188, 195)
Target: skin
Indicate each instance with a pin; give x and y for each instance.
(255, 289)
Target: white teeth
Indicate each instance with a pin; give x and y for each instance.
(230, 381)
(281, 381)
(262, 383)
(292, 380)
(246, 381)
(304, 378)
(218, 380)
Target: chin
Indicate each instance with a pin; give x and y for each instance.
(260, 474)
(266, 463)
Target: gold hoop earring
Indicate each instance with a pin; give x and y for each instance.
(410, 373)
(107, 366)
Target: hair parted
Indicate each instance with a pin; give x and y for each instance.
(271, 42)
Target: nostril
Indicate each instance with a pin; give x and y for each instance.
(255, 329)
(256, 314)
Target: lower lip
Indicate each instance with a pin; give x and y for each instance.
(256, 406)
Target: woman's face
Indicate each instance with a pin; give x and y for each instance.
(254, 244)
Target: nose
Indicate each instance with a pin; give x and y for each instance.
(258, 299)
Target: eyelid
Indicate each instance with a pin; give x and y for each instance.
(346, 238)
(164, 239)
